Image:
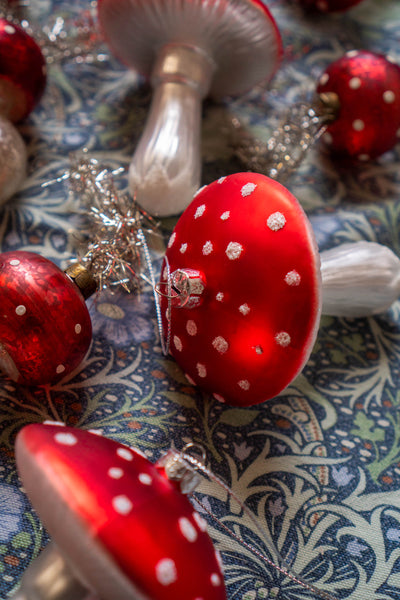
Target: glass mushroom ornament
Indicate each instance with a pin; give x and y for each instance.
(127, 532)
(22, 82)
(243, 285)
(45, 327)
(188, 50)
(356, 110)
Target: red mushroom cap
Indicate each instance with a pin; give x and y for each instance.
(22, 72)
(251, 329)
(94, 493)
(368, 87)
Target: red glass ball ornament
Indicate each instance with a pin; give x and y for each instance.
(22, 72)
(368, 88)
(327, 6)
(45, 327)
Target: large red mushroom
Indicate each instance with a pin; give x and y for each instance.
(241, 287)
(122, 527)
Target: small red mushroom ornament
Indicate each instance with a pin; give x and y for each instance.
(244, 302)
(121, 524)
(368, 89)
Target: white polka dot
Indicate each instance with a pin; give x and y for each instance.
(183, 248)
(234, 250)
(200, 211)
(15, 262)
(207, 248)
(166, 571)
(122, 505)
(389, 96)
(20, 310)
(125, 454)
(220, 344)
(355, 83)
(219, 297)
(187, 529)
(115, 473)
(56, 423)
(221, 179)
(283, 339)
(215, 579)
(258, 349)
(358, 125)
(191, 327)
(145, 478)
(66, 439)
(244, 384)
(178, 343)
(172, 240)
(248, 189)
(324, 79)
(225, 215)
(352, 53)
(78, 328)
(201, 370)
(363, 157)
(391, 59)
(60, 369)
(9, 29)
(292, 278)
(201, 523)
(244, 309)
(276, 221)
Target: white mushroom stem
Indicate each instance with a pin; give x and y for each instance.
(50, 577)
(13, 160)
(359, 279)
(165, 169)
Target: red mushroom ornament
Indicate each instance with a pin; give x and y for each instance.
(22, 82)
(248, 253)
(189, 50)
(241, 287)
(121, 527)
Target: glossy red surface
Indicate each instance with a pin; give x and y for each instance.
(133, 512)
(256, 323)
(368, 87)
(329, 5)
(45, 326)
(22, 72)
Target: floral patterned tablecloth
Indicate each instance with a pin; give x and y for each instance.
(319, 465)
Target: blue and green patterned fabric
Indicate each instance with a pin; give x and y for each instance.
(319, 466)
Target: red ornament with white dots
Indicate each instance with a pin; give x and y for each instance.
(45, 327)
(326, 6)
(22, 72)
(245, 323)
(125, 528)
(368, 88)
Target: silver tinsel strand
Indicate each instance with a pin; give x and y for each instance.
(117, 254)
(288, 144)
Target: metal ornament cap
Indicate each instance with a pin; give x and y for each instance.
(126, 531)
(188, 49)
(255, 327)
